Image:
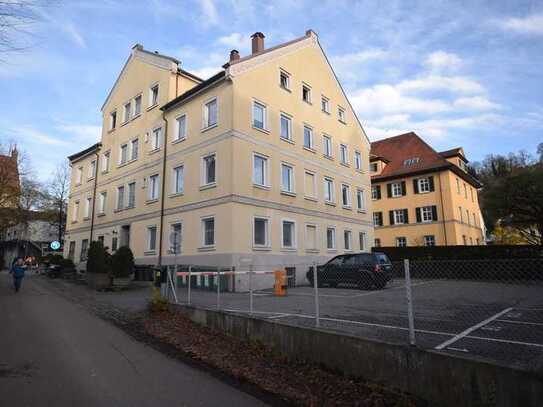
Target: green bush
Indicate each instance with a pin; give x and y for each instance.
(52, 259)
(98, 258)
(157, 303)
(67, 264)
(122, 262)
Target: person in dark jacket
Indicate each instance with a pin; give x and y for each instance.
(18, 271)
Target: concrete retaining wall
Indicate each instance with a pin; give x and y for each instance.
(442, 380)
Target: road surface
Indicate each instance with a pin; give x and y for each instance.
(54, 352)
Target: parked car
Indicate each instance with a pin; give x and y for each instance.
(365, 270)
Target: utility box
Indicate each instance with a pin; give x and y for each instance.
(280, 287)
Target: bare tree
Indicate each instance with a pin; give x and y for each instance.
(58, 189)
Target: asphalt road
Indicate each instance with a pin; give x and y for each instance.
(53, 352)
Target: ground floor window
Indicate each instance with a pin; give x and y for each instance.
(175, 238)
(311, 237)
(288, 235)
(260, 232)
(84, 249)
(401, 241)
(377, 242)
(429, 240)
(347, 237)
(151, 238)
(330, 238)
(362, 240)
(71, 251)
(208, 231)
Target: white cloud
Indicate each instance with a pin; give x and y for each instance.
(209, 12)
(443, 61)
(235, 40)
(532, 24)
(476, 103)
(453, 84)
(30, 135)
(81, 133)
(359, 57)
(205, 72)
(72, 32)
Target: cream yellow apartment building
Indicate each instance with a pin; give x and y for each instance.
(422, 197)
(265, 162)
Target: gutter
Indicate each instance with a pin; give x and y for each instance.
(443, 209)
(163, 190)
(94, 194)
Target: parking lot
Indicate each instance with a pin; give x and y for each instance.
(501, 322)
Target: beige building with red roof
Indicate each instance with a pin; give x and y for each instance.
(421, 196)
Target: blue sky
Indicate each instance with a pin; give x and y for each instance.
(458, 73)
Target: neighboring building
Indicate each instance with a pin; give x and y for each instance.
(10, 188)
(422, 197)
(263, 163)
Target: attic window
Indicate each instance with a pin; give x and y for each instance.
(411, 161)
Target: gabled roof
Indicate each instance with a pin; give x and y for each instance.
(85, 152)
(454, 152)
(408, 155)
(194, 90)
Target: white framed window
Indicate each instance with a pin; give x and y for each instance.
(178, 181)
(377, 242)
(357, 160)
(401, 241)
(102, 202)
(113, 120)
(260, 170)
(208, 231)
(373, 167)
(176, 229)
(423, 185)
(151, 238)
(306, 93)
(123, 155)
(311, 237)
(325, 104)
(284, 79)
(341, 114)
(127, 111)
(329, 195)
(181, 130)
(330, 238)
(120, 197)
(377, 218)
(260, 116)
(429, 240)
(344, 155)
(261, 232)
(308, 137)
(208, 169)
(137, 105)
(346, 195)
(286, 127)
(362, 239)
(154, 187)
(75, 212)
(79, 175)
(153, 95)
(360, 200)
(105, 161)
(426, 214)
(156, 136)
(287, 178)
(134, 149)
(131, 195)
(92, 169)
(375, 192)
(88, 204)
(461, 214)
(210, 113)
(327, 146)
(399, 216)
(310, 184)
(348, 240)
(396, 189)
(288, 234)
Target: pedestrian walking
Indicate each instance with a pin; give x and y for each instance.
(18, 271)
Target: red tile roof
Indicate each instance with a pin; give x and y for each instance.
(407, 155)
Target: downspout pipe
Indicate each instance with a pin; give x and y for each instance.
(97, 154)
(442, 210)
(162, 191)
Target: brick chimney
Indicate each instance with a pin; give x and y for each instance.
(234, 55)
(257, 42)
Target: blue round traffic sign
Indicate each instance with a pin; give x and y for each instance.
(55, 245)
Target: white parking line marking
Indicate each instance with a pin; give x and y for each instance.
(458, 349)
(471, 329)
(520, 322)
(537, 345)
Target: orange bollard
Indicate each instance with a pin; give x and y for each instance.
(280, 287)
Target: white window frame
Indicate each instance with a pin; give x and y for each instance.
(401, 238)
(206, 124)
(102, 202)
(122, 147)
(315, 227)
(374, 194)
(113, 122)
(399, 218)
(152, 102)
(264, 108)
(329, 180)
(327, 146)
(347, 188)
(119, 204)
(128, 203)
(396, 189)
(325, 104)
(203, 170)
(88, 204)
(178, 136)
(374, 167)
(75, 213)
(293, 236)
(175, 185)
(376, 217)
(137, 149)
(363, 241)
(292, 177)
(426, 214)
(357, 160)
(314, 175)
(348, 238)
(307, 87)
(287, 76)
(156, 139)
(79, 175)
(267, 243)
(311, 145)
(289, 127)
(136, 113)
(341, 114)
(344, 154)
(360, 200)
(92, 170)
(427, 240)
(105, 161)
(149, 229)
(154, 187)
(333, 230)
(127, 112)
(266, 170)
(203, 231)
(423, 185)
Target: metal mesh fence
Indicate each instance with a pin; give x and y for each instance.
(490, 308)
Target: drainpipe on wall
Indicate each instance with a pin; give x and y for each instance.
(94, 194)
(162, 192)
(442, 210)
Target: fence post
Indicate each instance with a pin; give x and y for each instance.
(316, 290)
(218, 288)
(188, 285)
(251, 289)
(410, 316)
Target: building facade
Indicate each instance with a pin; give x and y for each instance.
(422, 197)
(263, 163)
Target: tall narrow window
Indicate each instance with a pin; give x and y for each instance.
(287, 178)
(357, 160)
(260, 232)
(155, 138)
(105, 161)
(127, 111)
(306, 93)
(123, 154)
(153, 95)
(429, 240)
(310, 185)
(360, 200)
(377, 218)
(181, 133)
(120, 197)
(284, 80)
(134, 149)
(346, 195)
(131, 195)
(178, 180)
(75, 213)
(208, 169)
(84, 249)
(325, 104)
(79, 175)
(210, 113)
(260, 170)
(288, 234)
(329, 190)
(362, 237)
(343, 154)
(102, 202)
(311, 237)
(151, 238)
(330, 238)
(113, 120)
(177, 234)
(137, 105)
(88, 204)
(286, 127)
(259, 115)
(153, 187)
(208, 231)
(92, 169)
(327, 146)
(341, 114)
(401, 241)
(308, 137)
(347, 239)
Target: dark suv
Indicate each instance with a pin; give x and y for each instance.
(365, 270)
